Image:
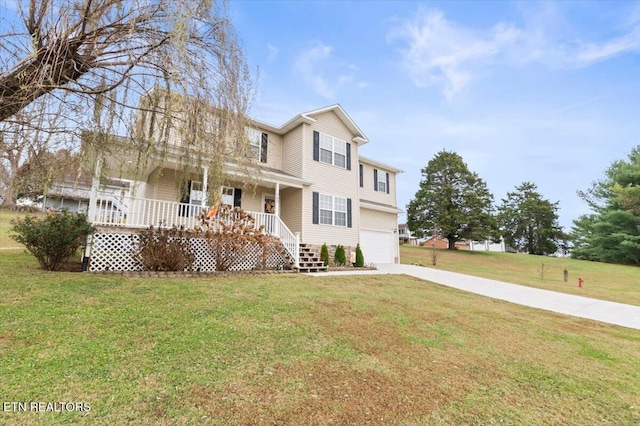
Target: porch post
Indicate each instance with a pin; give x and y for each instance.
(93, 195)
(205, 188)
(277, 199)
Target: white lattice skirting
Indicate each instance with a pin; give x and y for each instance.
(115, 252)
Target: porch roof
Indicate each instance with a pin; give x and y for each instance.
(124, 161)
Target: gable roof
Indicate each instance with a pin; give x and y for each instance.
(308, 118)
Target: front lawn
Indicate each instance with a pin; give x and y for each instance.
(292, 349)
(5, 225)
(616, 283)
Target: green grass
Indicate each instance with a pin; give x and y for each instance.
(293, 349)
(616, 283)
(5, 225)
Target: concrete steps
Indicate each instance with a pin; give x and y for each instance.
(310, 261)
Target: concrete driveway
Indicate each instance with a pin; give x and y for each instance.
(577, 306)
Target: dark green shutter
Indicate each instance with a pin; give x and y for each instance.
(349, 223)
(316, 146)
(263, 148)
(375, 179)
(348, 156)
(237, 197)
(316, 208)
(387, 183)
(361, 176)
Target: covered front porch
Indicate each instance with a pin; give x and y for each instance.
(156, 198)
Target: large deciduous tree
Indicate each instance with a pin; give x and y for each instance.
(452, 202)
(612, 232)
(528, 222)
(78, 65)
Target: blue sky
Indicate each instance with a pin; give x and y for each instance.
(547, 92)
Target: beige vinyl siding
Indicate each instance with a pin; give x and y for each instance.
(251, 200)
(162, 185)
(292, 151)
(291, 208)
(367, 191)
(330, 180)
(376, 220)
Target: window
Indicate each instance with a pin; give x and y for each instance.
(333, 151)
(227, 196)
(333, 210)
(382, 182)
(255, 142)
(340, 211)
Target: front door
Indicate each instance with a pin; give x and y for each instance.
(194, 197)
(269, 204)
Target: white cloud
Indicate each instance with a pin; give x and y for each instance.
(439, 52)
(597, 52)
(325, 74)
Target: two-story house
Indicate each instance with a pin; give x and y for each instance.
(314, 187)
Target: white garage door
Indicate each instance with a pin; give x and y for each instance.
(377, 246)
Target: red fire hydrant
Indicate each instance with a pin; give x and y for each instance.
(580, 281)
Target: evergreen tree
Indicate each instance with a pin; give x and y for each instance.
(528, 222)
(359, 257)
(324, 254)
(451, 200)
(340, 257)
(612, 232)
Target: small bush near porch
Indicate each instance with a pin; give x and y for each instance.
(52, 238)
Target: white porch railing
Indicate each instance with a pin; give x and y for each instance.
(133, 212)
(273, 225)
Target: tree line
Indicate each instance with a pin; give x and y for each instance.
(455, 203)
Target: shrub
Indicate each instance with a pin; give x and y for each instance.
(359, 257)
(164, 250)
(324, 254)
(340, 258)
(234, 236)
(52, 238)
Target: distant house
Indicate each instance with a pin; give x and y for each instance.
(443, 243)
(74, 196)
(404, 235)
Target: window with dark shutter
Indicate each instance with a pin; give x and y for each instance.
(380, 181)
